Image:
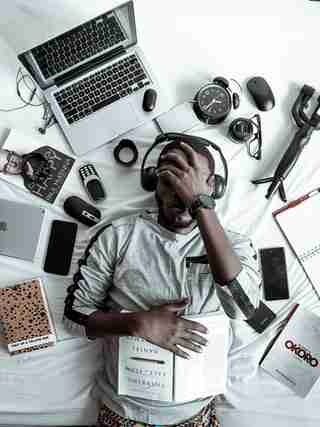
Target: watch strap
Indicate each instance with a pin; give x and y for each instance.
(199, 203)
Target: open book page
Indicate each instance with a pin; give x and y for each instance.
(151, 372)
(145, 370)
(205, 374)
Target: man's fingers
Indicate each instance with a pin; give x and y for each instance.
(191, 336)
(176, 306)
(171, 168)
(181, 342)
(177, 350)
(179, 160)
(190, 153)
(195, 326)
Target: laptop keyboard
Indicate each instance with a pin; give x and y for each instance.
(101, 88)
(79, 44)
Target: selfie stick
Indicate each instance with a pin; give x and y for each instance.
(306, 126)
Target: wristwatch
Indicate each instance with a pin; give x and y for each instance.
(201, 201)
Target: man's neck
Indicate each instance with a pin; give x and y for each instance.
(187, 230)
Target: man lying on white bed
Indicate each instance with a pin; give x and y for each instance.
(137, 264)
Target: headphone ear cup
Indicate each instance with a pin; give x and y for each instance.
(219, 186)
(149, 179)
(235, 100)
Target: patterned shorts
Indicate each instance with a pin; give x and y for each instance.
(205, 418)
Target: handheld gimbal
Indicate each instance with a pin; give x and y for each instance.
(302, 136)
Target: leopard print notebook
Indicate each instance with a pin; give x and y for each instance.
(25, 317)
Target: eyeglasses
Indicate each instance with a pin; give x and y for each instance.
(247, 131)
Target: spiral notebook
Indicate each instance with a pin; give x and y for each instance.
(299, 222)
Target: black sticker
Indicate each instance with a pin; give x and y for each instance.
(50, 176)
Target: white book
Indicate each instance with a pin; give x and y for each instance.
(294, 357)
(151, 372)
(299, 222)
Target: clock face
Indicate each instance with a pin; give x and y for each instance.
(214, 100)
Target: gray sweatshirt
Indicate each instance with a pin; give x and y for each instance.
(135, 264)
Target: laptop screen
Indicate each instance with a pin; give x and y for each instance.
(99, 36)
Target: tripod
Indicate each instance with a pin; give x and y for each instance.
(306, 126)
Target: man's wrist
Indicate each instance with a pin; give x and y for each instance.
(135, 324)
(201, 201)
(204, 213)
(101, 323)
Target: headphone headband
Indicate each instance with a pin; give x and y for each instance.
(171, 136)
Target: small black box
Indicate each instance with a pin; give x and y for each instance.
(262, 318)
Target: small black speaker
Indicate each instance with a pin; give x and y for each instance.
(241, 130)
(82, 211)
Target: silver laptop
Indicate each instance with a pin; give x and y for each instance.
(94, 78)
(20, 227)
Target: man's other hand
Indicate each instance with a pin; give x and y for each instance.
(164, 327)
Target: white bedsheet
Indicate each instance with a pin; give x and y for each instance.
(53, 387)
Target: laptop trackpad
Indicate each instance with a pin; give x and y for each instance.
(122, 117)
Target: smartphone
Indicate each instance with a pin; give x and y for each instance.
(274, 273)
(60, 248)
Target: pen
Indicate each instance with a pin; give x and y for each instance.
(298, 201)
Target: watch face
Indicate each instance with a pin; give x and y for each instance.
(207, 201)
(214, 101)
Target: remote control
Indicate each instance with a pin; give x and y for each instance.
(92, 182)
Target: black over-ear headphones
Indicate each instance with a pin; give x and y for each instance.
(149, 178)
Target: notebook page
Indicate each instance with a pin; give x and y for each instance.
(204, 374)
(301, 226)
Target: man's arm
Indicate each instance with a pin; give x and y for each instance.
(237, 278)
(160, 325)
(236, 273)
(91, 283)
(100, 324)
(85, 312)
(224, 262)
